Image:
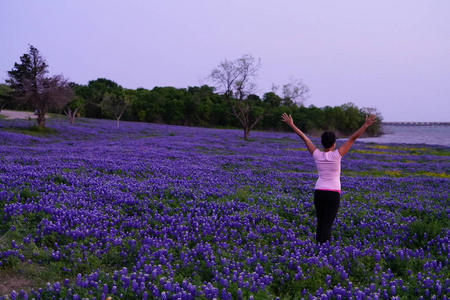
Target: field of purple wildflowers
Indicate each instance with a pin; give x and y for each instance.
(148, 211)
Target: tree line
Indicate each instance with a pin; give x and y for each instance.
(229, 102)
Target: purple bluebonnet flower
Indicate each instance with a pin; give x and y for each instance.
(238, 213)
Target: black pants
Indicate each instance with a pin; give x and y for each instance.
(327, 205)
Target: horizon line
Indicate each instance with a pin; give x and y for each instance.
(416, 122)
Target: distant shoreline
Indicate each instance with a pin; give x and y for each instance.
(430, 133)
(416, 123)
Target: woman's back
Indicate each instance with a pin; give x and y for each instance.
(329, 167)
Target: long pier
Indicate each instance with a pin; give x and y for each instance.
(416, 123)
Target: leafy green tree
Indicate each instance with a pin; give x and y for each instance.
(173, 111)
(314, 118)
(6, 97)
(131, 97)
(31, 86)
(271, 120)
(202, 106)
(173, 105)
(335, 118)
(198, 105)
(96, 92)
(148, 105)
(353, 118)
(272, 99)
(138, 106)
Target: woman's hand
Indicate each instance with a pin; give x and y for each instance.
(370, 120)
(287, 119)
(344, 148)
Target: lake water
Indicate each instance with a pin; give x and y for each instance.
(427, 134)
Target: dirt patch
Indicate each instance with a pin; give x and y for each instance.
(14, 282)
(13, 114)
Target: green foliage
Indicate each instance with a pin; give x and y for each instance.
(95, 93)
(202, 106)
(57, 179)
(33, 130)
(32, 66)
(6, 96)
(401, 267)
(22, 226)
(289, 288)
(26, 193)
(420, 232)
(41, 130)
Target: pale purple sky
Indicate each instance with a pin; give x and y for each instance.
(393, 55)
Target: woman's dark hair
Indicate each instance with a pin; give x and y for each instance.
(328, 139)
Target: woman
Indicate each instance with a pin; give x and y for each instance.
(327, 193)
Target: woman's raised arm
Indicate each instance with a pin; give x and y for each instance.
(348, 144)
(288, 120)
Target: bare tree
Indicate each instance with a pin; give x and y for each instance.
(71, 109)
(32, 87)
(71, 114)
(235, 80)
(294, 92)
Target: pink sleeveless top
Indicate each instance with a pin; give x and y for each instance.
(329, 166)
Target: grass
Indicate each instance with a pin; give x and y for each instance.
(395, 173)
(402, 150)
(33, 130)
(422, 231)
